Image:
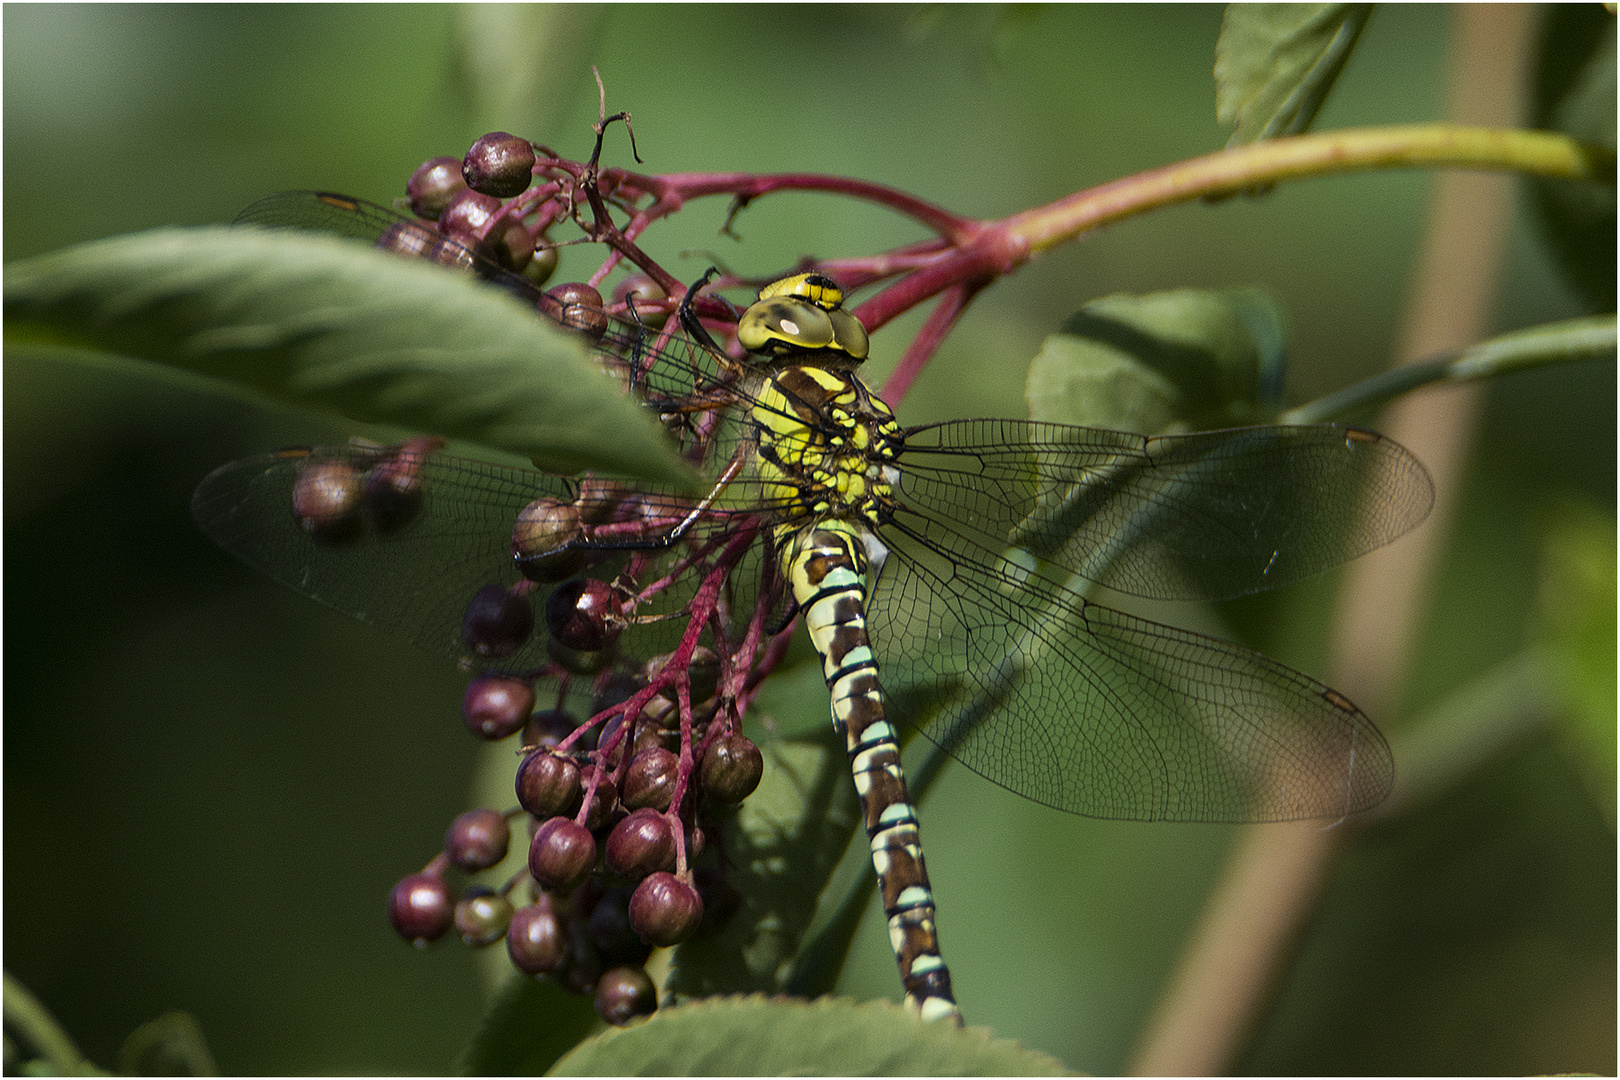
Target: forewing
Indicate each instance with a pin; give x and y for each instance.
(415, 580)
(1210, 515)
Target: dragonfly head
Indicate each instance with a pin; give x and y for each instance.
(802, 313)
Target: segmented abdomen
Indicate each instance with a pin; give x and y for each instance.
(828, 571)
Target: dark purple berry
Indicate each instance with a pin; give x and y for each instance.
(561, 854)
(393, 491)
(326, 501)
(495, 706)
(616, 689)
(611, 743)
(432, 185)
(510, 245)
(421, 909)
(535, 939)
(578, 306)
(547, 728)
(642, 296)
(540, 537)
(548, 785)
(499, 164)
(467, 215)
(650, 780)
(609, 930)
(482, 917)
(660, 711)
(664, 909)
(477, 839)
(623, 994)
(602, 801)
(641, 844)
(731, 769)
(584, 965)
(584, 615)
(577, 662)
(704, 672)
(649, 734)
(542, 266)
(498, 621)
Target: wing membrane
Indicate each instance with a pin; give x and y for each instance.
(1101, 713)
(1209, 516)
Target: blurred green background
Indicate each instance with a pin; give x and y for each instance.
(211, 784)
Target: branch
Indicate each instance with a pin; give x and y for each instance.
(1228, 172)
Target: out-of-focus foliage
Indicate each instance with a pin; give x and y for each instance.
(1276, 63)
(212, 784)
(1575, 93)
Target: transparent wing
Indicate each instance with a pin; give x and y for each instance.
(416, 573)
(1210, 515)
(415, 581)
(987, 644)
(1100, 713)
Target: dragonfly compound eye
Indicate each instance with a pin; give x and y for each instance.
(803, 312)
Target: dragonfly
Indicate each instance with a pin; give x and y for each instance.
(948, 574)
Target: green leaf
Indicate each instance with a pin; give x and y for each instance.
(1187, 357)
(323, 323)
(1575, 94)
(753, 1036)
(1275, 63)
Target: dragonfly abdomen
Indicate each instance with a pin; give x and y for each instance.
(828, 572)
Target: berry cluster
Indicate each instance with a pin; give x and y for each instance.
(619, 804)
(614, 823)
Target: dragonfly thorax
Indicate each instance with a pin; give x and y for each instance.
(826, 447)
